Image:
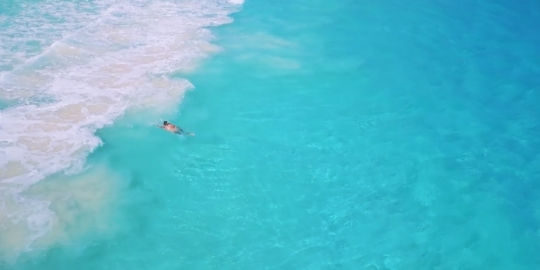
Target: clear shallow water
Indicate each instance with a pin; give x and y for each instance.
(329, 136)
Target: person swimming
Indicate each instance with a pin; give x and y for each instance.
(173, 128)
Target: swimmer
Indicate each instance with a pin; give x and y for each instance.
(173, 128)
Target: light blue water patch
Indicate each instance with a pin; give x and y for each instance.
(5, 104)
(10, 7)
(343, 135)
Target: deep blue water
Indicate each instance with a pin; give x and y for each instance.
(329, 135)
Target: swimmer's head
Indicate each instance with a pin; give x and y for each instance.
(165, 123)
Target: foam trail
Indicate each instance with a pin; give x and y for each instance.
(104, 59)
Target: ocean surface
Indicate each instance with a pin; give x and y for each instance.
(378, 135)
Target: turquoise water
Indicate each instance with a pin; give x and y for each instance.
(329, 135)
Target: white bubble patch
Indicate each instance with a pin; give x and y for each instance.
(93, 62)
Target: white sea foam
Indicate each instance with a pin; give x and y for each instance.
(37, 26)
(104, 58)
